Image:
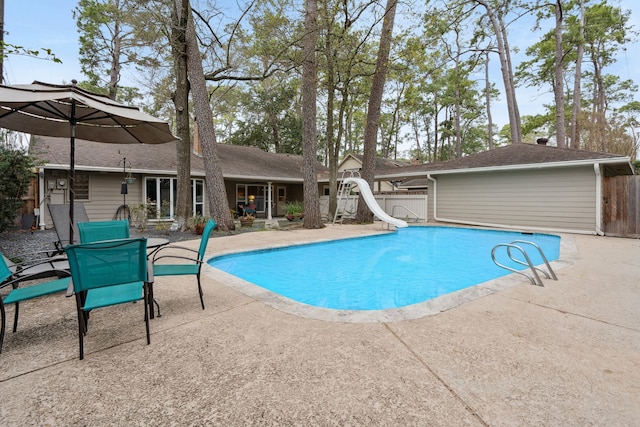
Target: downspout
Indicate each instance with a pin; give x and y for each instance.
(596, 169)
(435, 194)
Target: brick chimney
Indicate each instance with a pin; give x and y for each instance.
(197, 147)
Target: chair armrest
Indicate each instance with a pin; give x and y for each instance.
(157, 254)
(195, 260)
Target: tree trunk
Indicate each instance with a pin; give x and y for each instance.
(577, 86)
(364, 214)
(312, 217)
(216, 190)
(487, 94)
(181, 101)
(506, 68)
(333, 149)
(114, 73)
(558, 84)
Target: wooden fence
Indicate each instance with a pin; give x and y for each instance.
(620, 211)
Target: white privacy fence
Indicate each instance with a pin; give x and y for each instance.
(409, 207)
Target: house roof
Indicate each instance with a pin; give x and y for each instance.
(237, 162)
(380, 162)
(515, 156)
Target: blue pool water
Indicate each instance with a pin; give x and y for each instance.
(392, 270)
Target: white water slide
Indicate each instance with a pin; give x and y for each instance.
(367, 196)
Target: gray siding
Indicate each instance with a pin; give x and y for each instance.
(104, 196)
(549, 198)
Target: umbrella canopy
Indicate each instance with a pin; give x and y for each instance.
(68, 111)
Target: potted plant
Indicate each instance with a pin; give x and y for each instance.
(246, 220)
(294, 211)
(197, 223)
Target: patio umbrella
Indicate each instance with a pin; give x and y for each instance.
(68, 111)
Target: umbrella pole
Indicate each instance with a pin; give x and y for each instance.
(72, 170)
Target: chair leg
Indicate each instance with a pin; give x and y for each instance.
(146, 310)
(2, 314)
(81, 325)
(200, 292)
(15, 317)
(153, 301)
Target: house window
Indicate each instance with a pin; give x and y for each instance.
(197, 195)
(81, 186)
(161, 192)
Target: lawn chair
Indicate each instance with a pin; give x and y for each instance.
(108, 273)
(40, 268)
(103, 230)
(13, 279)
(191, 260)
(61, 220)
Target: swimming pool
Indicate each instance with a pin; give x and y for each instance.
(381, 272)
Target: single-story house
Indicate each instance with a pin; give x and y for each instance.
(523, 186)
(272, 179)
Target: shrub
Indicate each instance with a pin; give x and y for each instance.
(15, 177)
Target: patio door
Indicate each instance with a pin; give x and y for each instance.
(252, 192)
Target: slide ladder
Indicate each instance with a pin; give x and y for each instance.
(366, 195)
(535, 277)
(346, 201)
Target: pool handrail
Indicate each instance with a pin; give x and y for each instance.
(550, 274)
(535, 280)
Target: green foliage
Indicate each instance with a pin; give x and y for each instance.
(197, 221)
(294, 207)
(15, 177)
(294, 210)
(11, 49)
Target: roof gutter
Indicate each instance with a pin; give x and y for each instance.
(173, 172)
(613, 160)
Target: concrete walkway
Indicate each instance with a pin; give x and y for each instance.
(567, 354)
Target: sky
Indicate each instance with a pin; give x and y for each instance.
(49, 24)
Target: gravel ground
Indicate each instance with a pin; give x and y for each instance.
(17, 242)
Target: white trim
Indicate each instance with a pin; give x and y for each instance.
(435, 198)
(596, 169)
(50, 166)
(614, 160)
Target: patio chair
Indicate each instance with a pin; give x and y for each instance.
(18, 294)
(60, 219)
(38, 268)
(108, 273)
(103, 230)
(191, 260)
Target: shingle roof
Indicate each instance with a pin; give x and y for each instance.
(237, 162)
(516, 155)
(382, 163)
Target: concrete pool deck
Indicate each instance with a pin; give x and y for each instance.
(567, 353)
